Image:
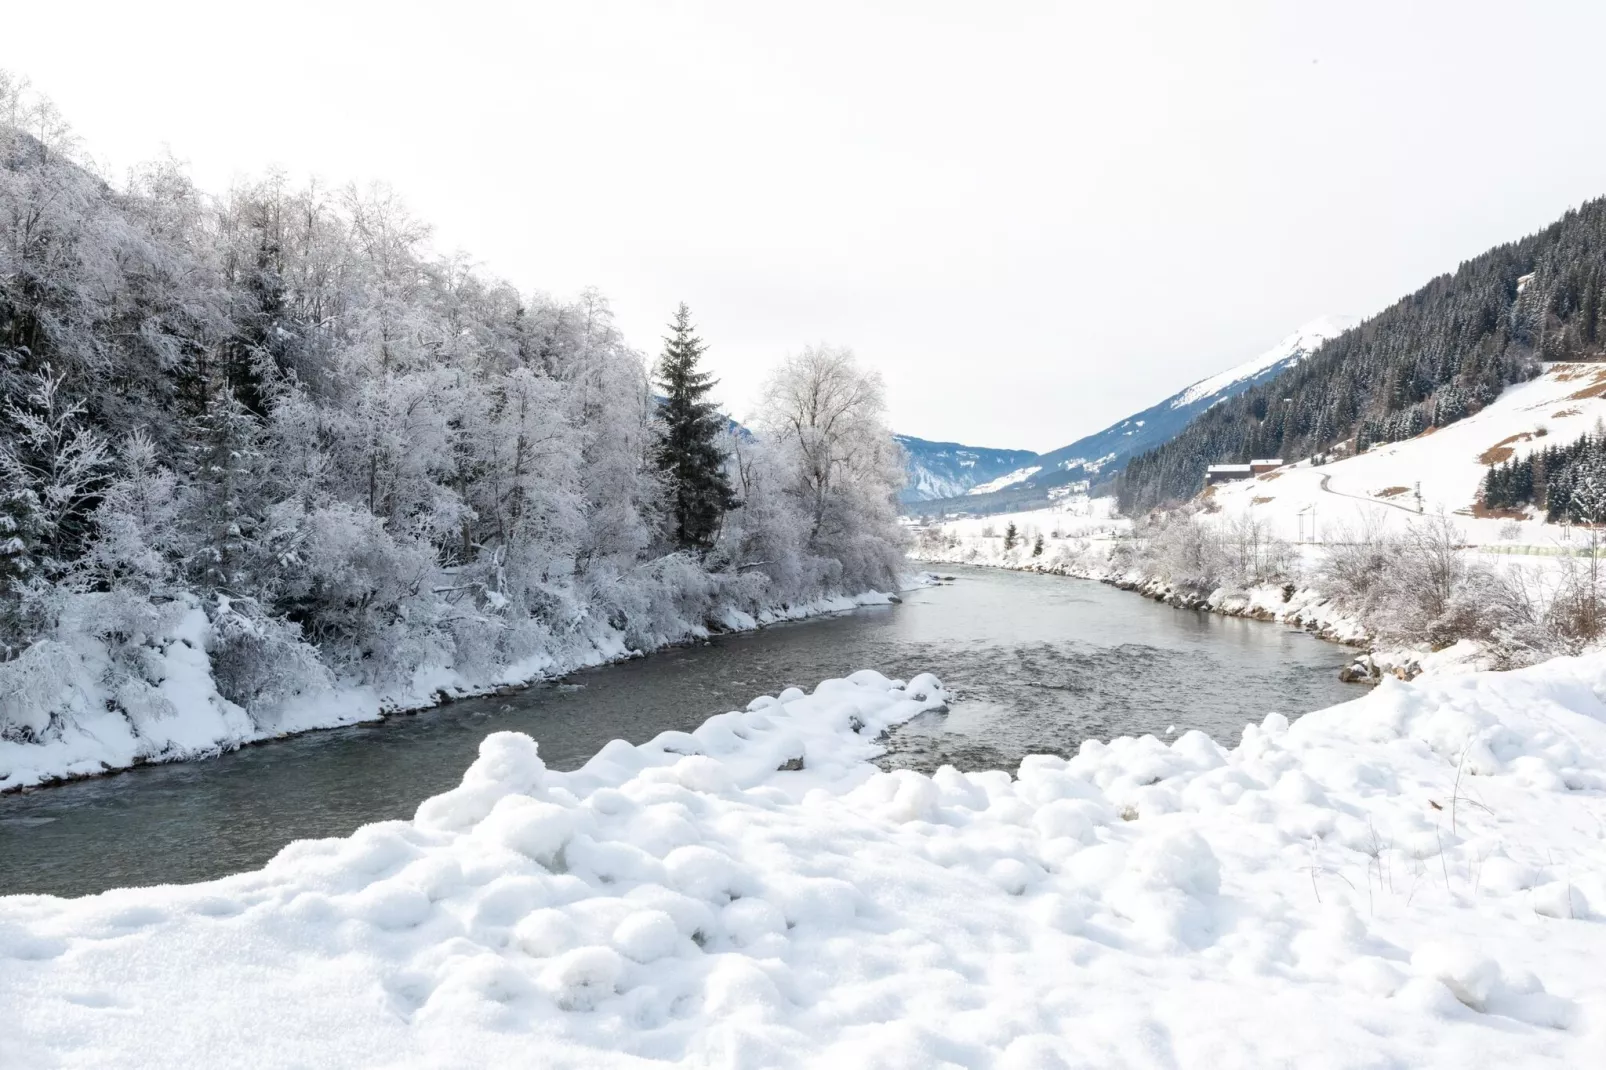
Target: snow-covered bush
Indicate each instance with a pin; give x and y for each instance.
(1356, 564)
(260, 661)
(37, 688)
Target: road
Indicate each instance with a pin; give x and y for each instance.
(1364, 498)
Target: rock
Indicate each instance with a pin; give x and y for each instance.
(1363, 670)
(791, 765)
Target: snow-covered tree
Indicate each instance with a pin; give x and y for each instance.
(828, 415)
(54, 467)
(283, 407)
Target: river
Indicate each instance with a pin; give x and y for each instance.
(1037, 664)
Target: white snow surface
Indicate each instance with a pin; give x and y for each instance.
(1294, 348)
(1416, 878)
(1008, 479)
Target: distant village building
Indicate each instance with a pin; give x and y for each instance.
(1226, 473)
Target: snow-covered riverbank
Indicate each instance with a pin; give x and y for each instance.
(1076, 555)
(1415, 878)
(84, 721)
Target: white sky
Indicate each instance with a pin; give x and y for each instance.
(1033, 218)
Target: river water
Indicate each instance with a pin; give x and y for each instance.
(1037, 664)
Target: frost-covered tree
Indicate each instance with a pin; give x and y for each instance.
(281, 406)
(829, 416)
(54, 467)
(687, 438)
(138, 525)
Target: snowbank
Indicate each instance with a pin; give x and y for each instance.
(74, 714)
(1416, 878)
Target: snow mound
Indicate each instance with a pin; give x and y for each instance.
(1415, 878)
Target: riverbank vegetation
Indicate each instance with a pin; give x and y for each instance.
(1416, 585)
(277, 429)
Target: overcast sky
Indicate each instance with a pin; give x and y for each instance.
(1032, 218)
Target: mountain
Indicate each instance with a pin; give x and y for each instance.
(1429, 360)
(1097, 458)
(949, 470)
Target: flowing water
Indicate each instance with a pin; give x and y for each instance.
(1037, 664)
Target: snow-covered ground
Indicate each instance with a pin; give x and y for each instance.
(1008, 479)
(1076, 516)
(1416, 878)
(61, 694)
(1446, 465)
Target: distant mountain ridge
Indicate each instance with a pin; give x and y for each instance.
(949, 469)
(1095, 459)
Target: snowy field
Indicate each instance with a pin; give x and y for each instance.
(1447, 465)
(1074, 517)
(1416, 878)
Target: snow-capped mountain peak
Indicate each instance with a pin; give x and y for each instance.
(1288, 352)
(1010, 478)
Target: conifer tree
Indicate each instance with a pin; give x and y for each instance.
(687, 448)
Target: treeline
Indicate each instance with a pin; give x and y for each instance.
(1433, 357)
(1567, 482)
(360, 457)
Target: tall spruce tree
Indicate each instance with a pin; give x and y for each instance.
(687, 448)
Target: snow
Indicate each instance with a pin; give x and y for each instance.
(1008, 479)
(1074, 516)
(1297, 346)
(1416, 878)
(66, 688)
(1380, 486)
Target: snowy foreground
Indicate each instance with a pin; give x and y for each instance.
(1415, 878)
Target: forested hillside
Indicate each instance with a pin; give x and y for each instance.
(1430, 359)
(1566, 481)
(358, 458)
